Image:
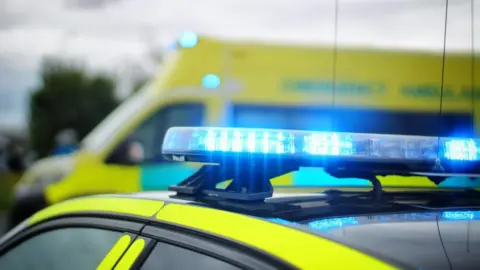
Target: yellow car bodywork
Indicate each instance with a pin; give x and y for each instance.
(298, 248)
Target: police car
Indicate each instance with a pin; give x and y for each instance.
(227, 215)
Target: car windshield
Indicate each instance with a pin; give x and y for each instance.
(346, 120)
(126, 111)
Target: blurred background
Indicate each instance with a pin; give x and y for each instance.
(67, 64)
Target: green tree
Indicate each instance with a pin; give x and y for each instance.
(68, 98)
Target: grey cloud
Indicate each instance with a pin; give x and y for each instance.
(308, 19)
(112, 33)
(9, 20)
(88, 4)
(15, 86)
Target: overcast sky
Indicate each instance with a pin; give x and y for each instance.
(113, 34)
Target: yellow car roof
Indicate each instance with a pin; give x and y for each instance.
(299, 248)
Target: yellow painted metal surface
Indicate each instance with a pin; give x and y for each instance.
(130, 206)
(92, 176)
(131, 255)
(269, 68)
(305, 251)
(115, 253)
(411, 181)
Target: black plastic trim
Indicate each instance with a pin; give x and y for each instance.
(101, 215)
(222, 248)
(127, 227)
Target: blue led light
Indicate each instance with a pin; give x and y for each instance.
(328, 144)
(332, 223)
(211, 81)
(267, 141)
(461, 149)
(313, 143)
(188, 39)
(238, 140)
(460, 215)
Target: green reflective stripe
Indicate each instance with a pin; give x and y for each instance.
(115, 253)
(131, 255)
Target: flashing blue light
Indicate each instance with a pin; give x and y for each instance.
(328, 144)
(211, 81)
(332, 223)
(462, 149)
(188, 39)
(313, 143)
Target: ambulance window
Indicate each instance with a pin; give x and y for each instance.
(165, 256)
(68, 248)
(354, 120)
(151, 132)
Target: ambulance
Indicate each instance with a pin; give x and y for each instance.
(211, 82)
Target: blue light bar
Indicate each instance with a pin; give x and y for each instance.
(185, 141)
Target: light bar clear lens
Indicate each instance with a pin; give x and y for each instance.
(461, 149)
(289, 142)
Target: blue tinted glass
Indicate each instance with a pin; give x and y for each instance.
(68, 248)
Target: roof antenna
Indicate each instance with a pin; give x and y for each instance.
(438, 166)
(472, 18)
(334, 67)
